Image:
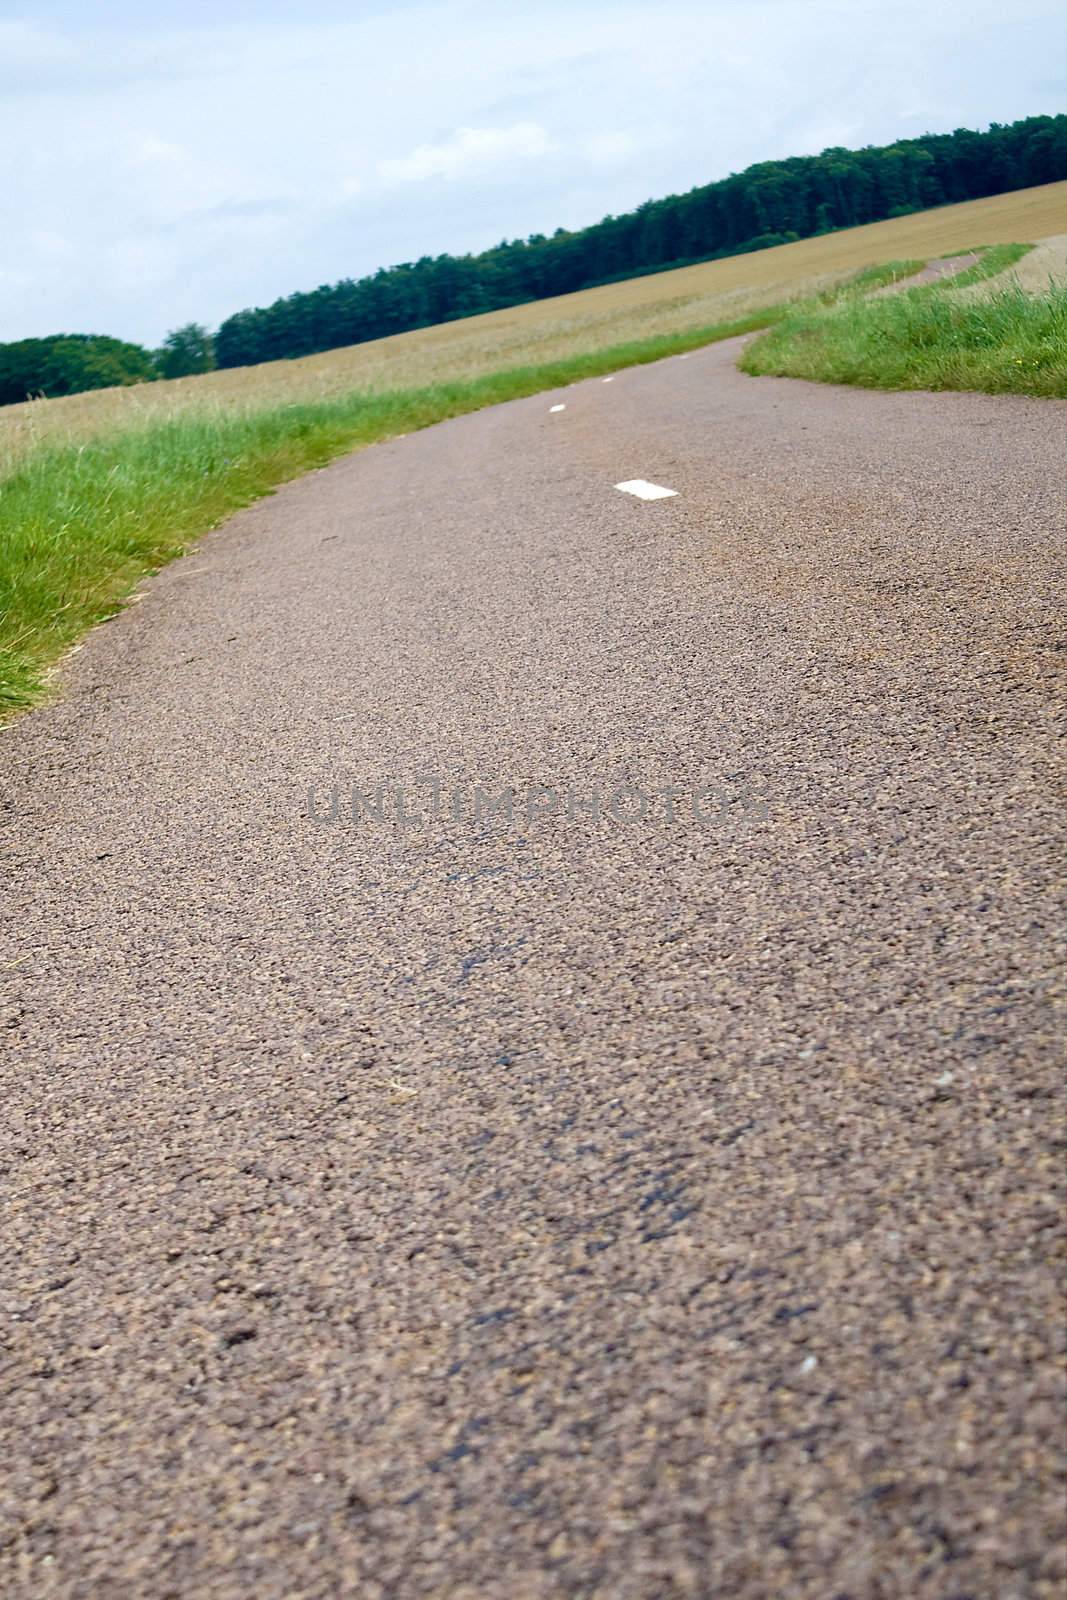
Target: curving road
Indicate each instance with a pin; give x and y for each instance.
(650, 1193)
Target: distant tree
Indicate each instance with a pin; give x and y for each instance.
(186, 350)
(67, 363)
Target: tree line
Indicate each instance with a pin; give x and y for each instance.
(772, 202)
(68, 363)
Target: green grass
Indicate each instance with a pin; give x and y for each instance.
(928, 337)
(992, 260)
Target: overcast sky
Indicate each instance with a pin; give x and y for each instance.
(162, 162)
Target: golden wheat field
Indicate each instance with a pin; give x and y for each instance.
(573, 324)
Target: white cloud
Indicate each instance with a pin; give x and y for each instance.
(27, 48)
(50, 246)
(607, 149)
(468, 150)
(151, 149)
(141, 263)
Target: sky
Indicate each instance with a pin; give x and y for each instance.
(169, 162)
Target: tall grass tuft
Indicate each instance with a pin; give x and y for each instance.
(1008, 342)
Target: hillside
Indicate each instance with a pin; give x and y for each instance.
(770, 203)
(550, 330)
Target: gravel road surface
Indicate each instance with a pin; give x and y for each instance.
(653, 1194)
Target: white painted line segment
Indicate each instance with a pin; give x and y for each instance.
(645, 490)
(608, 380)
(557, 408)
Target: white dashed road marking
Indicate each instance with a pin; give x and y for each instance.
(644, 490)
(608, 380)
(557, 408)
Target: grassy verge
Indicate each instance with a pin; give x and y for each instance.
(993, 259)
(1009, 342)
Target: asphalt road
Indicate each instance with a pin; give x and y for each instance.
(648, 1195)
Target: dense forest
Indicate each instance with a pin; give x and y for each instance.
(767, 204)
(770, 203)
